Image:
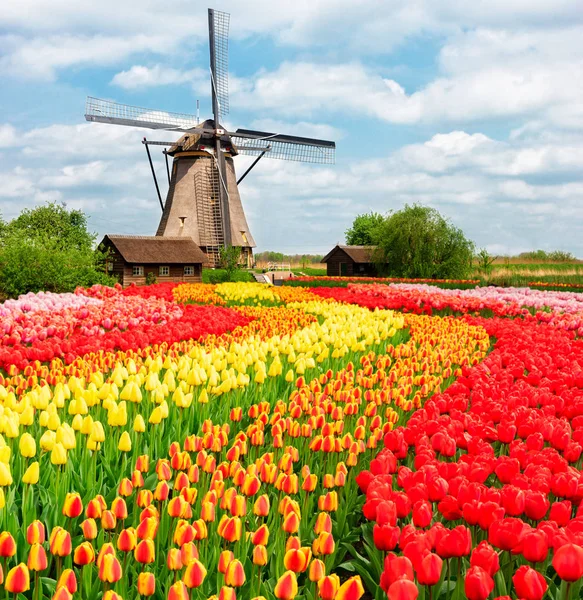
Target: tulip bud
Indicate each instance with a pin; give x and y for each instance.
(125, 442)
(32, 474)
(62, 593)
(35, 533)
(194, 574)
(146, 584)
(178, 591)
(27, 445)
(317, 570)
(89, 528)
(7, 545)
(174, 559)
(110, 569)
(37, 558)
(286, 587)
(72, 506)
(17, 579)
(351, 589)
(225, 558)
(235, 575)
(260, 555)
(60, 542)
(68, 580)
(84, 554)
(145, 552)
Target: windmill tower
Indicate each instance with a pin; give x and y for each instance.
(203, 200)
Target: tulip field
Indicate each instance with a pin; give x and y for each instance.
(239, 441)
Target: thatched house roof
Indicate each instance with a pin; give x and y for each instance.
(154, 249)
(359, 254)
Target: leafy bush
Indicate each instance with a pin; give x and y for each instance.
(365, 229)
(418, 242)
(220, 276)
(49, 248)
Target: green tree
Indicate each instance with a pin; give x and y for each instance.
(364, 230)
(418, 242)
(229, 257)
(49, 248)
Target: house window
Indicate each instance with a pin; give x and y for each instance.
(188, 270)
(164, 271)
(137, 271)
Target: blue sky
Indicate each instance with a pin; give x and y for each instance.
(473, 108)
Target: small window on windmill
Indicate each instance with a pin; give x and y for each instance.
(164, 271)
(244, 236)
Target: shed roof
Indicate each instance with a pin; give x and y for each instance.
(359, 254)
(157, 249)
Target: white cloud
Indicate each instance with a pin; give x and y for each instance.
(300, 128)
(40, 58)
(143, 77)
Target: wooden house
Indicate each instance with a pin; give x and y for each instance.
(350, 261)
(132, 258)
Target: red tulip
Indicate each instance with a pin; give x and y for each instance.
(568, 562)
(403, 589)
(529, 584)
(478, 584)
(429, 569)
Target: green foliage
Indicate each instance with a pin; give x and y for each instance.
(52, 221)
(49, 248)
(542, 256)
(485, 261)
(220, 276)
(150, 278)
(365, 230)
(294, 259)
(229, 257)
(418, 242)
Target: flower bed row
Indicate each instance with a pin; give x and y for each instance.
(480, 492)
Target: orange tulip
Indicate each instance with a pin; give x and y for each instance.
(60, 542)
(286, 587)
(317, 570)
(89, 528)
(261, 536)
(84, 554)
(227, 593)
(323, 523)
(107, 548)
(127, 540)
(72, 506)
(230, 528)
(225, 559)
(235, 575)
(7, 545)
(174, 559)
(297, 560)
(143, 463)
(119, 508)
(110, 569)
(148, 528)
(111, 595)
(94, 509)
(145, 552)
(194, 574)
(189, 552)
(261, 506)
(68, 580)
(146, 584)
(126, 486)
(351, 589)
(260, 555)
(323, 544)
(178, 591)
(62, 593)
(328, 587)
(18, 579)
(291, 523)
(37, 558)
(108, 520)
(35, 533)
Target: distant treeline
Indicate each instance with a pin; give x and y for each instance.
(296, 259)
(543, 256)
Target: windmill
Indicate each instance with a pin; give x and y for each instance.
(203, 199)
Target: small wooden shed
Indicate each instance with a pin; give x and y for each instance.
(132, 258)
(350, 261)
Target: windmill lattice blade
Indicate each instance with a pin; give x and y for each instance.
(284, 147)
(220, 40)
(106, 111)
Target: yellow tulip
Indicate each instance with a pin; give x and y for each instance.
(58, 454)
(27, 445)
(5, 475)
(125, 442)
(139, 424)
(31, 475)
